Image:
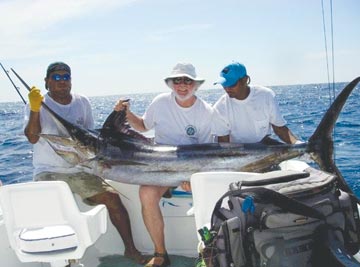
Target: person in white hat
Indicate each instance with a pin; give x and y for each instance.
(250, 111)
(178, 118)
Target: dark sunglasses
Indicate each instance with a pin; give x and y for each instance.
(58, 77)
(184, 80)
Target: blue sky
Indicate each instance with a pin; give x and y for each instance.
(122, 47)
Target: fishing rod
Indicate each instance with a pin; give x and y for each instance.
(29, 89)
(21, 80)
(16, 87)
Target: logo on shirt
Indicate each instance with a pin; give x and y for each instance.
(190, 130)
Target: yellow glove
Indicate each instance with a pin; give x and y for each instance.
(35, 98)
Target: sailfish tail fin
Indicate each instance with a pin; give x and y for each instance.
(321, 145)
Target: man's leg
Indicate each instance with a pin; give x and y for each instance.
(153, 219)
(120, 219)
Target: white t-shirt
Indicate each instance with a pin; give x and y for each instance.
(78, 112)
(176, 125)
(250, 119)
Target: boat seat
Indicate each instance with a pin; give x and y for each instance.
(208, 187)
(44, 224)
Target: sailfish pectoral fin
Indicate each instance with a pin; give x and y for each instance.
(67, 153)
(68, 149)
(263, 165)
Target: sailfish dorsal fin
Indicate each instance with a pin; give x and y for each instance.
(117, 124)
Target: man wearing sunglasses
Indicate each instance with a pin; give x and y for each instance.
(251, 111)
(49, 166)
(178, 118)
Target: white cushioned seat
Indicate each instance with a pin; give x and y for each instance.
(48, 239)
(44, 223)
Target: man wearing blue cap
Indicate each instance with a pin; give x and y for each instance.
(251, 111)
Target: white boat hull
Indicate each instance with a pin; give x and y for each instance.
(180, 228)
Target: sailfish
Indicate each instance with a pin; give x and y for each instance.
(118, 152)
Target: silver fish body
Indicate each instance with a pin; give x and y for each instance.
(119, 153)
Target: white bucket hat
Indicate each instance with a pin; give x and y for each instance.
(184, 70)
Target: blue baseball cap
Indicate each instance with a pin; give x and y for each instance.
(231, 74)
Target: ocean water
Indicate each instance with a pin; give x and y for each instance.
(302, 106)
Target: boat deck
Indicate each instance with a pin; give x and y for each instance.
(117, 260)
